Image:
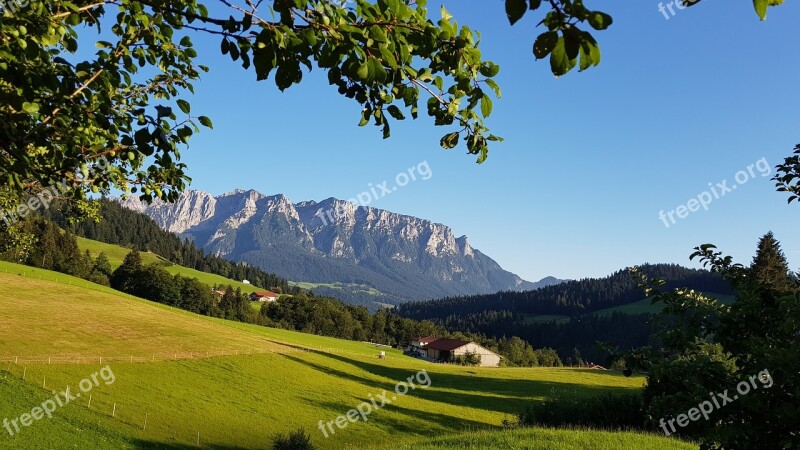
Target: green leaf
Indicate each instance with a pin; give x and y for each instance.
(363, 72)
(450, 141)
(515, 9)
(761, 8)
(495, 87)
(486, 106)
(560, 63)
(395, 112)
(205, 121)
(30, 108)
(184, 106)
(164, 111)
(489, 69)
(600, 21)
(545, 44)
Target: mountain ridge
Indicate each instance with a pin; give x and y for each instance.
(334, 241)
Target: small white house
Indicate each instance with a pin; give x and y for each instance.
(264, 297)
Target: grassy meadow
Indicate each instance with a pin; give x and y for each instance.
(116, 254)
(183, 379)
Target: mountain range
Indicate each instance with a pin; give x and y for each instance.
(359, 254)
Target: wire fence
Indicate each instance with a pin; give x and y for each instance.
(162, 357)
(150, 423)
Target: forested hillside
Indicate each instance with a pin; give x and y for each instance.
(577, 333)
(127, 228)
(569, 298)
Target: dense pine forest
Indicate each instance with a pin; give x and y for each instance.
(571, 298)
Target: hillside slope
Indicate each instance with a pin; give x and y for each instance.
(116, 254)
(176, 393)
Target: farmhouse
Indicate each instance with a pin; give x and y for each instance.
(263, 296)
(440, 349)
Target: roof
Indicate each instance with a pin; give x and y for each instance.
(424, 339)
(265, 294)
(447, 344)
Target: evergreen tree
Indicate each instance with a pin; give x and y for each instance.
(769, 266)
(102, 265)
(124, 278)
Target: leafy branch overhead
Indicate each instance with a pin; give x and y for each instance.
(565, 42)
(60, 114)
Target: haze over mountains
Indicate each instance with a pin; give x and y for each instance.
(333, 241)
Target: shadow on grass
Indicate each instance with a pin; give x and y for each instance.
(412, 421)
(491, 394)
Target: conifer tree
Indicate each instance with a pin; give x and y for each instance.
(769, 266)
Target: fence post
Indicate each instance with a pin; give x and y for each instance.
(44, 382)
(24, 372)
(145, 422)
(114, 411)
(89, 406)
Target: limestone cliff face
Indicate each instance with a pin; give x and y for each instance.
(334, 241)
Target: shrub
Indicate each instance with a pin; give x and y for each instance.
(467, 359)
(296, 440)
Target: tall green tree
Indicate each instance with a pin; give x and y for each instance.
(124, 278)
(769, 266)
(750, 347)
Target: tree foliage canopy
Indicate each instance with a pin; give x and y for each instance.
(119, 120)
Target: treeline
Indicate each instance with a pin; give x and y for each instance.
(571, 298)
(128, 228)
(154, 283)
(577, 335)
(52, 249)
(304, 312)
(331, 317)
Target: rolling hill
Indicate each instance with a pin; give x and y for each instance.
(181, 380)
(116, 254)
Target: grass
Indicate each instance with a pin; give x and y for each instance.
(645, 306)
(543, 318)
(244, 401)
(116, 254)
(546, 439)
(86, 429)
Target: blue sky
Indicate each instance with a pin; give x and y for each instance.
(589, 159)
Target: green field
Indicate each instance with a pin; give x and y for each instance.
(644, 306)
(232, 385)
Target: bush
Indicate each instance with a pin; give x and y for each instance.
(467, 359)
(296, 440)
(609, 411)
